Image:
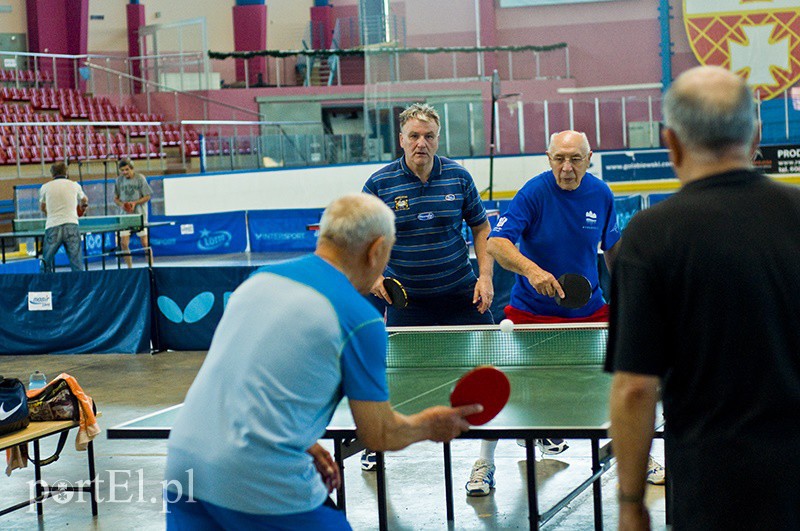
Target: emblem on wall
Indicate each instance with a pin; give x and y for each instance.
(757, 39)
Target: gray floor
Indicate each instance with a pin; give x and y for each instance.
(128, 386)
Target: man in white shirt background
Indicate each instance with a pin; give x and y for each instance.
(60, 200)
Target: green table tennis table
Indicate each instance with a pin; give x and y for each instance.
(558, 390)
(35, 228)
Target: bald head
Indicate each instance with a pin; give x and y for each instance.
(569, 155)
(576, 138)
(711, 109)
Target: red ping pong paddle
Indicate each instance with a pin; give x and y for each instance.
(81, 209)
(577, 291)
(483, 385)
(396, 292)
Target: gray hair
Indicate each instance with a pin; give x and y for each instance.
(711, 120)
(584, 140)
(419, 111)
(353, 221)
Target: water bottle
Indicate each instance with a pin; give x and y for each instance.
(37, 381)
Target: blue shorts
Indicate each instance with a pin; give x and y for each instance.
(198, 515)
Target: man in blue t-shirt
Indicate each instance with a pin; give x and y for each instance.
(559, 218)
(295, 338)
(431, 196)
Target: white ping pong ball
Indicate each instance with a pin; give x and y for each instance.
(507, 325)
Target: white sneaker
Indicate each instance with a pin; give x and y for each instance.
(369, 461)
(481, 479)
(551, 446)
(656, 475)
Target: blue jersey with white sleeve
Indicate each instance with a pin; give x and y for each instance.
(294, 339)
(560, 231)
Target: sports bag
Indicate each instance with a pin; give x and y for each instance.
(13, 406)
(54, 402)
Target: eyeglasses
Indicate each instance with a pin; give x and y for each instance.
(573, 160)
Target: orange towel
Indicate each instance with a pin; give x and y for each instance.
(89, 428)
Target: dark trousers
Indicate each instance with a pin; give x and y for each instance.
(441, 310)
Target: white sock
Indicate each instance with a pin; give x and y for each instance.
(487, 450)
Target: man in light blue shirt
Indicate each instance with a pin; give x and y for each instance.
(295, 338)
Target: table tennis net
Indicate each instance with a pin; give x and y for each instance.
(574, 346)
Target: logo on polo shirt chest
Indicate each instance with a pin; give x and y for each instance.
(450, 197)
(401, 202)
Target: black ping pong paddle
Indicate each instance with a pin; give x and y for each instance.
(483, 385)
(577, 291)
(396, 292)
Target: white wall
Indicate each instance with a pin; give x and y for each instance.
(287, 20)
(316, 187)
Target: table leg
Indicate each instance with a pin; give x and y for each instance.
(116, 249)
(149, 250)
(103, 249)
(667, 493)
(448, 482)
(337, 456)
(383, 519)
(85, 253)
(92, 479)
(37, 476)
(530, 465)
(596, 487)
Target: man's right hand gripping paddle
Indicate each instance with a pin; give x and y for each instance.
(577, 291)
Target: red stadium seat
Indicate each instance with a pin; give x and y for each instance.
(48, 154)
(102, 151)
(11, 155)
(123, 150)
(33, 154)
(24, 155)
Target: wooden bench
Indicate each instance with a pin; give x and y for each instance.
(33, 433)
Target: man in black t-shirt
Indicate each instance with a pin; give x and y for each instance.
(706, 291)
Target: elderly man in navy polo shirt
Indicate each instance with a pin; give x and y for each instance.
(431, 196)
